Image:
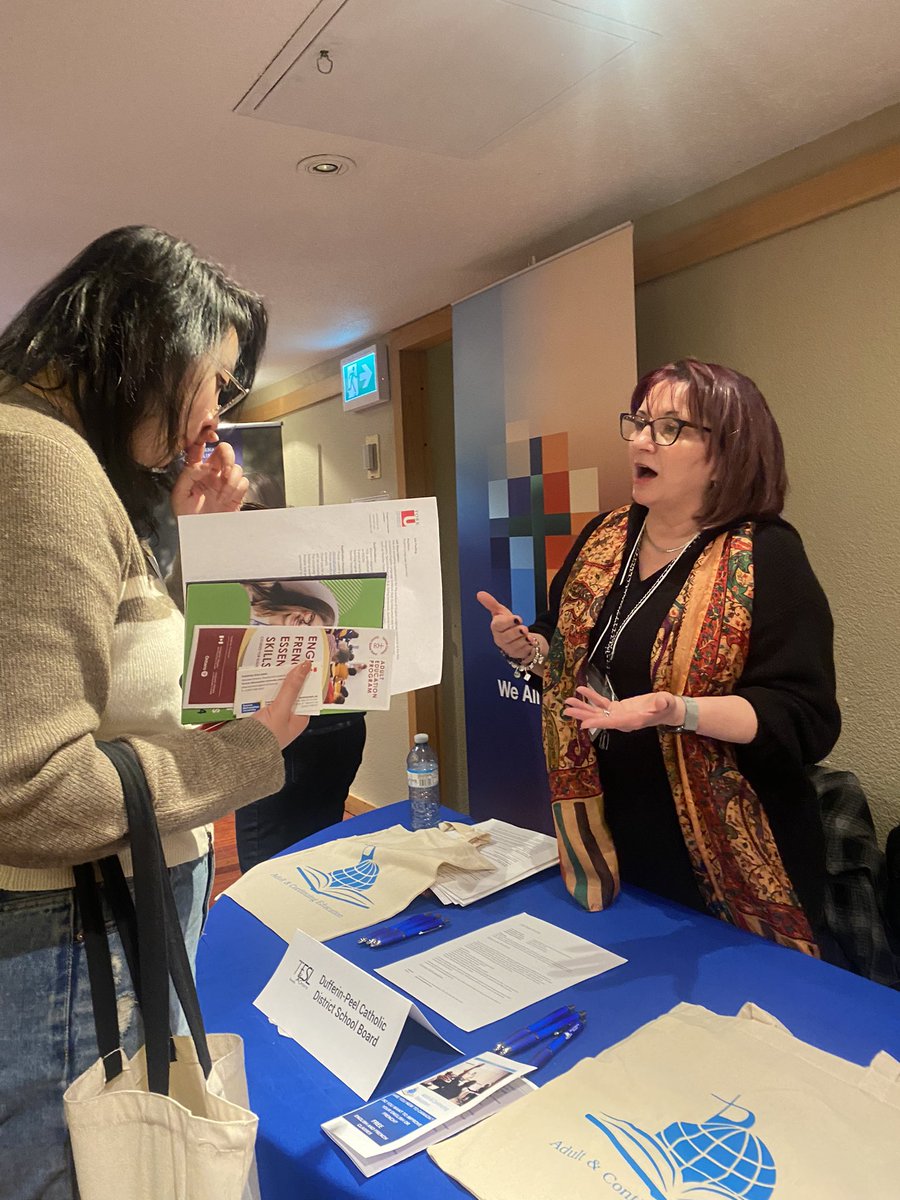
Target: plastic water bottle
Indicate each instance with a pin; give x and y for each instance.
(422, 780)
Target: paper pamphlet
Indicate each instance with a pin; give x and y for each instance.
(515, 854)
(394, 1127)
(493, 972)
(340, 1014)
(239, 668)
(336, 559)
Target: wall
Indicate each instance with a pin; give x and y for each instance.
(323, 464)
(813, 315)
(441, 435)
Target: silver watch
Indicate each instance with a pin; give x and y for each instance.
(691, 718)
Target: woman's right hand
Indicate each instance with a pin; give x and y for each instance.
(278, 715)
(510, 635)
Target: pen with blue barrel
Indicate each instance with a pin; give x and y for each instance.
(389, 935)
(556, 1043)
(537, 1031)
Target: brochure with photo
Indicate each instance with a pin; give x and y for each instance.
(233, 670)
(242, 637)
(390, 1129)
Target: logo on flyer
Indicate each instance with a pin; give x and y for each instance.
(302, 973)
(719, 1159)
(346, 884)
(409, 516)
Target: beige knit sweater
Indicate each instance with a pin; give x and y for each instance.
(91, 650)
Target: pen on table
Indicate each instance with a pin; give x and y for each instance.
(543, 1027)
(388, 935)
(557, 1042)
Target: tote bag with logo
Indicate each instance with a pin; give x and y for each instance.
(694, 1106)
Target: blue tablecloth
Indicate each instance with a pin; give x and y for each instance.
(673, 955)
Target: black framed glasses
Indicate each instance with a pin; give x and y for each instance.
(231, 392)
(664, 431)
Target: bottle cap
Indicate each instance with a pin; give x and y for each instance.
(420, 739)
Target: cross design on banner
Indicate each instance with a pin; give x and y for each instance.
(535, 514)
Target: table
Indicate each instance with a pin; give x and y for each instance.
(673, 953)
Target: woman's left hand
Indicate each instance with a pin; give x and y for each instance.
(593, 711)
(215, 486)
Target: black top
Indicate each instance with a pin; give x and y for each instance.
(789, 680)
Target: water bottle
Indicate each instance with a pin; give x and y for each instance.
(422, 780)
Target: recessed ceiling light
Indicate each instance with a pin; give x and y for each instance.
(326, 164)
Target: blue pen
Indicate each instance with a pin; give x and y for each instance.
(549, 1031)
(389, 935)
(531, 1034)
(556, 1044)
(406, 925)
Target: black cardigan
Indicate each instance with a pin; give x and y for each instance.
(789, 680)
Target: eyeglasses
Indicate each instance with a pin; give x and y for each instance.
(664, 431)
(230, 391)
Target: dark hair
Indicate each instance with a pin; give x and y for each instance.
(121, 329)
(744, 443)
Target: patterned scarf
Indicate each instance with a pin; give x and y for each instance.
(700, 650)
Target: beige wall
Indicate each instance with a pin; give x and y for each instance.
(441, 435)
(814, 317)
(323, 463)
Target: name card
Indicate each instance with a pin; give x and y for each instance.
(341, 1015)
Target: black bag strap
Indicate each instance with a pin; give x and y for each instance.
(150, 931)
(100, 972)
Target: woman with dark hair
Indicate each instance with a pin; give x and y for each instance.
(688, 672)
(121, 364)
(291, 602)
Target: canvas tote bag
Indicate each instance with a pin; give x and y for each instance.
(354, 882)
(172, 1122)
(694, 1106)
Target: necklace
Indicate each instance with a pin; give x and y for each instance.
(616, 624)
(667, 549)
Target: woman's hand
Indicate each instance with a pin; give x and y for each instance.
(279, 715)
(509, 634)
(215, 486)
(593, 711)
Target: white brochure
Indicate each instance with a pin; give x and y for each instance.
(396, 540)
(394, 1127)
(339, 1013)
(493, 972)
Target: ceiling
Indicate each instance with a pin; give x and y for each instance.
(479, 128)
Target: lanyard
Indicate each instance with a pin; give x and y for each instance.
(614, 628)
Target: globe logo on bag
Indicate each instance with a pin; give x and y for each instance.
(718, 1158)
(346, 884)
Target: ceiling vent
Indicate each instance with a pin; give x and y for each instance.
(447, 77)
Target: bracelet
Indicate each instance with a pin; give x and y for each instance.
(521, 667)
(691, 718)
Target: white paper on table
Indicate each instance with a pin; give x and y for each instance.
(398, 537)
(337, 1012)
(493, 972)
(516, 854)
(371, 1163)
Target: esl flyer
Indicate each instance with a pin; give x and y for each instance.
(351, 567)
(233, 670)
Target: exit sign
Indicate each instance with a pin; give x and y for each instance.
(364, 379)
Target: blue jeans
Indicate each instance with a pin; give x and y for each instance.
(47, 1023)
(319, 767)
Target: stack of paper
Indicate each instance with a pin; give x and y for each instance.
(516, 853)
(389, 1130)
